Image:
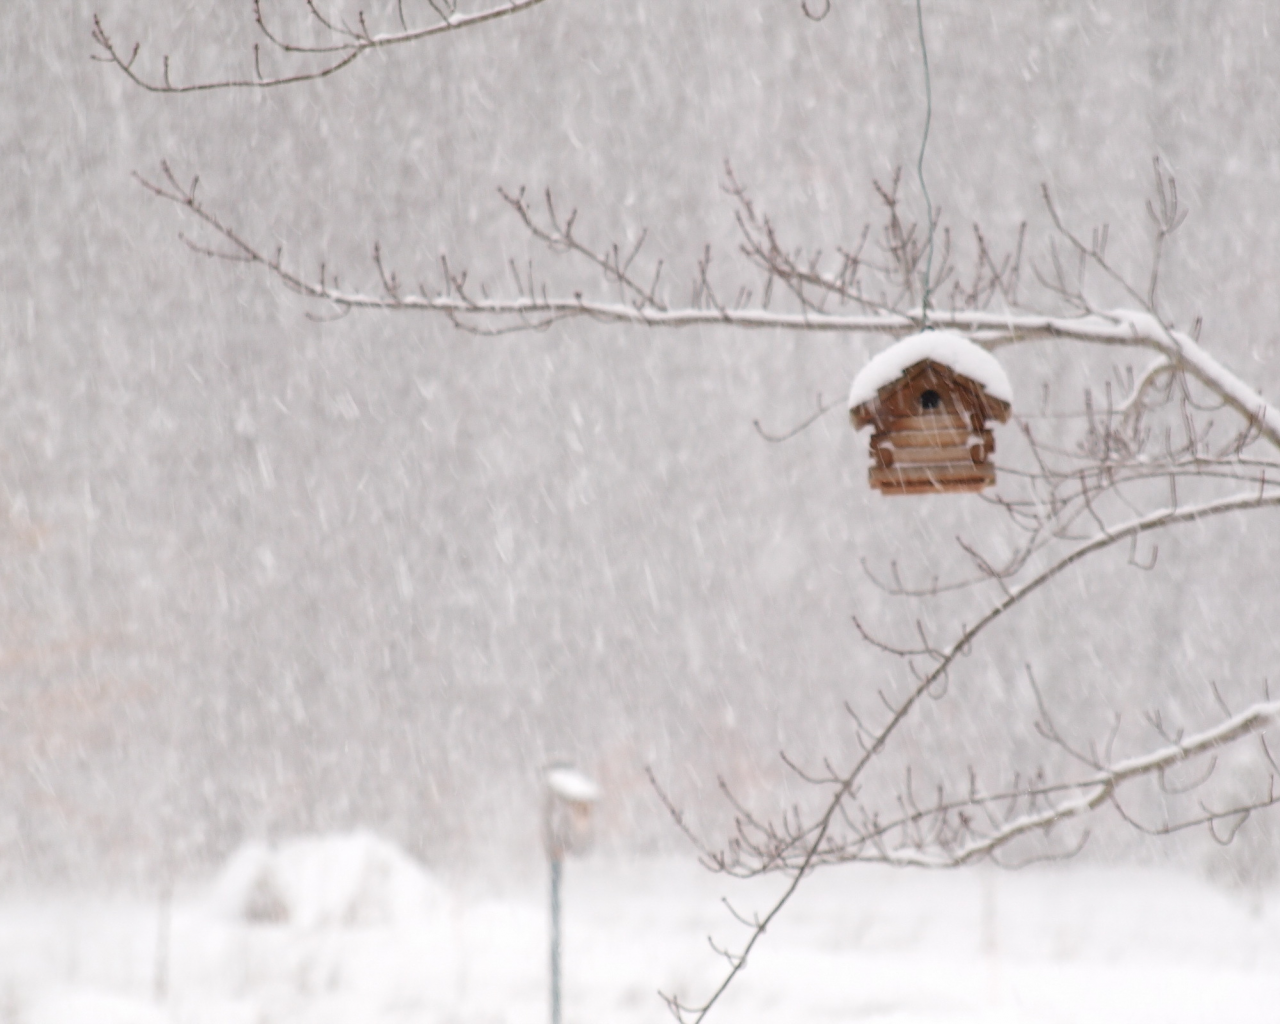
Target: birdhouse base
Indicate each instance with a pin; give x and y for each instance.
(954, 478)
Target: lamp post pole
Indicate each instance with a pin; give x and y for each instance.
(556, 864)
(566, 828)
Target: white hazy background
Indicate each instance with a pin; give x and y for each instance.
(266, 576)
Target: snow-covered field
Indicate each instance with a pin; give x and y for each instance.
(351, 931)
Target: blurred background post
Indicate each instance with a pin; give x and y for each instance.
(568, 801)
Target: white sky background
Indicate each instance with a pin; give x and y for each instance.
(265, 575)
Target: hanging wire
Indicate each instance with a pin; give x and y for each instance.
(924, 141)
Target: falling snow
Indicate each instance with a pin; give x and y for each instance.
(275, 574)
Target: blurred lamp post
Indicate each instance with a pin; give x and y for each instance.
(566, 828)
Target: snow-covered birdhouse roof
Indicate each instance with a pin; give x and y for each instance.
(949, 349)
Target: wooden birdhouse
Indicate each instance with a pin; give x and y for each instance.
(931, 398)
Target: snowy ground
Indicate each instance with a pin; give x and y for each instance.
(1066, 945)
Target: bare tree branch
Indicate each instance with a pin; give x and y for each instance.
(349, 45)
(534, 308)
(812, 842)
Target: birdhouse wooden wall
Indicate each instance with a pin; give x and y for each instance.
(931, 432)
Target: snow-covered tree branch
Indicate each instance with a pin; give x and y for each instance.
(533, 306)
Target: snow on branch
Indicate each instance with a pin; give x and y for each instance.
(1086, 795)
(951, 831)
(639, 303)
(1135, 329)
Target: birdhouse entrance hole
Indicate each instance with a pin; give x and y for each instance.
(929, 398)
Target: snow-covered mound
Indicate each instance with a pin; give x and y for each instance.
(356, 879)
(950, 348)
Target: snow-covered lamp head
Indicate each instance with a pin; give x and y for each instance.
(570, 797)
(930, 398)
